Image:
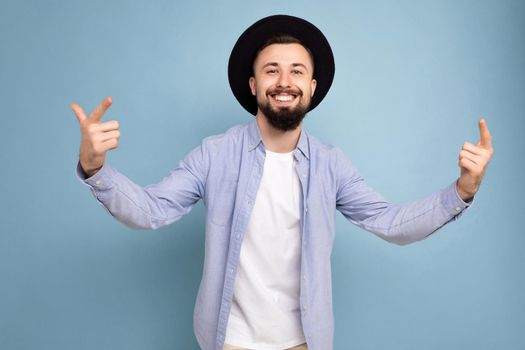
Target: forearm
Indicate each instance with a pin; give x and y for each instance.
(414, 221)
(131, 204)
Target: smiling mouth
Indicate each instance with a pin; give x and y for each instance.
(284, 98)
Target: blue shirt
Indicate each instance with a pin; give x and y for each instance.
(225, 171)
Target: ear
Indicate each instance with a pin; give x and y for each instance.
(252, 85)
(313, 85)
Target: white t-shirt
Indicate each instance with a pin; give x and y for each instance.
(265, 313)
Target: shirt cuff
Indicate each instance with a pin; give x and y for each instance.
(452, 202)
(101, 180)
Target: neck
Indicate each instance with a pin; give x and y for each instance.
(277, 140)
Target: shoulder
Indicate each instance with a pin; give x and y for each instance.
(322, 150)
(215, 149)
(230, 137)
(330, 160)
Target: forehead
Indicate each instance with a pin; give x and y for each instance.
(284, 54)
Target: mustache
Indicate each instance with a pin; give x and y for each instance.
(277, 91)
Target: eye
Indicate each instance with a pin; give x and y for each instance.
(297, 72)
(271, 71)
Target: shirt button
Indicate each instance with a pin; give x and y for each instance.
(97, 182)
(238, 236)
(231, 270)
(458, 208)
(304, 277)
(306, 209)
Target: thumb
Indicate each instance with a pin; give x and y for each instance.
(79, 112)
(485, 139)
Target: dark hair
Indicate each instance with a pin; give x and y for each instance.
(282, 38)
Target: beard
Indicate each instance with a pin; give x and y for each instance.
(284, 118)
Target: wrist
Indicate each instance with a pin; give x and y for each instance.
(89, 172)
(466, 196)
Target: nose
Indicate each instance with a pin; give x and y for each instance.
(284, 80)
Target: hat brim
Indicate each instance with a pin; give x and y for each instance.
(243, 55)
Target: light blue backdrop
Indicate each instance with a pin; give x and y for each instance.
(412, 79)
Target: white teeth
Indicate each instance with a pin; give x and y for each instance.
(284, 98)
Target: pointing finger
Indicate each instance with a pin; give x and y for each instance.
(79, 112)
(99, 111)
(485, 139)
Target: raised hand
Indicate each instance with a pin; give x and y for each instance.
(97, 137)
(473, 161)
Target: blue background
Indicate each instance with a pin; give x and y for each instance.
(412, 79)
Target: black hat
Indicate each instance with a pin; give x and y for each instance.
(243, 54)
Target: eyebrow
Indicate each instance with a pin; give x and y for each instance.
(275, 64)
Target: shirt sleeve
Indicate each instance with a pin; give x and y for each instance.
(396, 223)
(155, 205)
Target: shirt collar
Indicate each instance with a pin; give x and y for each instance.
(254, 137)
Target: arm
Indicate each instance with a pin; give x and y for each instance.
(152, 206)
(396, 223)
(403, 224)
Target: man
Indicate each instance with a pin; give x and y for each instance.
(270, 192)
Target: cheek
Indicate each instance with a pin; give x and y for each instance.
(262, 88)
(307, 90)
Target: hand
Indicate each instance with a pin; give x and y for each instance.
(473, 161)
(97, 137)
